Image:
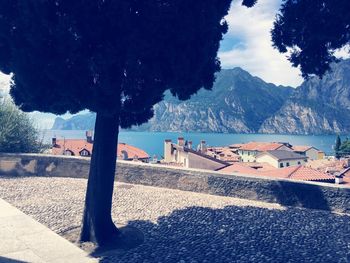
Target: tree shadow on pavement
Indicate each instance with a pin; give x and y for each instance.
(242, 234)
(300, 194)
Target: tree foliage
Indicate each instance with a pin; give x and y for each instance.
(344, 149)
(337, 147)
(311, 30)
(17, 131)
(104, 55)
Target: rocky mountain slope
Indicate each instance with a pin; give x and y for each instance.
(318, 106)
(241, 103)
(238, 103)
(84, 121)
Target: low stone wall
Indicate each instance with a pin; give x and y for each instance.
(286, 192)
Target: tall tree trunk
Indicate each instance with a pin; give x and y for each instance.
(97, 225)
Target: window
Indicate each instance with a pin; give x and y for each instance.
(299, 162)
(84, 153)
(281, 165)
(68, 152)
(287, 164)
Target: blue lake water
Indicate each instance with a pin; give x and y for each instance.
(152, 142)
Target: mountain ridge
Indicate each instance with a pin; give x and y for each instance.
(234, 109)
(242, 103)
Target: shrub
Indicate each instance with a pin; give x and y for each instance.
(18, 133)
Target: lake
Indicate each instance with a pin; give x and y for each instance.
(152, 142)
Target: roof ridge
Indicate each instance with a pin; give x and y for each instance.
(206, 156)
(296, 169)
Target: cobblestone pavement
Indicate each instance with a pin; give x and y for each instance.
(183, 226)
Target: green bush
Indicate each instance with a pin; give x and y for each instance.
(17, 131)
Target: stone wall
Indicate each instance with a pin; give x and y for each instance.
(286, 192)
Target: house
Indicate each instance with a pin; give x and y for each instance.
(83, 147)
(293, 172)
(224, 153)
(182, 154)
(281, 158)
(311, 152)
(249, 151)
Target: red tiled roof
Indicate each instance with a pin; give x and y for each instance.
(308, 174)
(302, 148)
(326, 166)
(261, 146)
(77, 145)
(239, 168)
(292, 172)
(236, 145)
(261, 166)
(299, 173)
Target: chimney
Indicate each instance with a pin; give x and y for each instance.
(89, 136)
(155, 159)
(189, 144)
(180, 141)
(203, 146)
(339, 179)
(167, 151)
(54, 141)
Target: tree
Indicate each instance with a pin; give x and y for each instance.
(310, 31)
(344, 149)
(337, 147)
(17, 131)
(115, 58)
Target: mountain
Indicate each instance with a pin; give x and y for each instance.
(318, 106)
(84, 121)
(238, 103)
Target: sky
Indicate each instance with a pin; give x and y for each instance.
(247, 44)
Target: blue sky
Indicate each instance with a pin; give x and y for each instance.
(248, 44)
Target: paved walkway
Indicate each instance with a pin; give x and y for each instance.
(190, 227)
(22, 239)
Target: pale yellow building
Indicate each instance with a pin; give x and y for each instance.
(249, 151)
(281, 158)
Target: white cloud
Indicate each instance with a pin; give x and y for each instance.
(253, 51)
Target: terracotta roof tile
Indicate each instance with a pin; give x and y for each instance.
(261, 146)
(299, 173)
(302, 148)
(239, 168)
(292, 172)
(77, 145)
